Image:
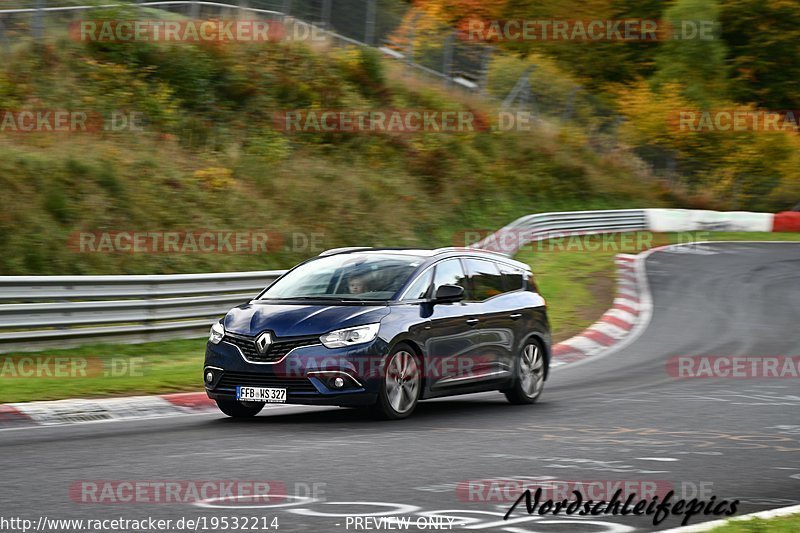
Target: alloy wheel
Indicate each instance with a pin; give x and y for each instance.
(402, 381)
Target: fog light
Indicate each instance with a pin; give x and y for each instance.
(209, 377)
(338, 383)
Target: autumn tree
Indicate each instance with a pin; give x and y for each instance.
(695, 57)
(763, 40)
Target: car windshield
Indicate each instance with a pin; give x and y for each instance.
(346, 277)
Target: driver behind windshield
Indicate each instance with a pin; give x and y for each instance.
(357, 284)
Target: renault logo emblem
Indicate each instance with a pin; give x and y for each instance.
(263, 341)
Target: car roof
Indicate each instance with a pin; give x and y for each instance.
(434, 254)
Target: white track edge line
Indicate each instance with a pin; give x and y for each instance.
(708, 526)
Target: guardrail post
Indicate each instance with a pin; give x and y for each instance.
(447, 62)
(194, 10)
(486, 58)
(38, 21)
(326, 14)
(4, 38)
(522, 97)
(287, 8)
(610, 140)
(570, 108)
(369, 31)
(411, 37)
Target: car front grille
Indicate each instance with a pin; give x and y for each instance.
(231, 380)
(276, 351)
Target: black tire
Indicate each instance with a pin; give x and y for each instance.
(237, 409)
(528, 378)
(401, 385)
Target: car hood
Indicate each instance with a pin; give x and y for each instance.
(289, 320)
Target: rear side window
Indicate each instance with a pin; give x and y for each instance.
(513, 279)
(485, 278)
(449, 272)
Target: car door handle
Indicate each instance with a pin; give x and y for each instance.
(515, 316)
(473, 321)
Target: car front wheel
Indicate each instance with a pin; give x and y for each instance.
(237, 409)
(402, 382)
(529, 376)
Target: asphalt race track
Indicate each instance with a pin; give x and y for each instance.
(620, 416)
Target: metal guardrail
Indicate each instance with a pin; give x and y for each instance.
(543, 226)
(38, 312)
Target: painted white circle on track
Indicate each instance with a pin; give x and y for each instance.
(396, 509)
(213, 503)
(606, 527)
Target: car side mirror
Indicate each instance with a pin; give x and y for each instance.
(449, 293)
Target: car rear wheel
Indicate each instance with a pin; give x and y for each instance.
(529, 376)
(401, 385)
(237, 409)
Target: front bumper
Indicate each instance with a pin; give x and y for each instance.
(307, 373)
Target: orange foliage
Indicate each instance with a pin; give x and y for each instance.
(435, 15)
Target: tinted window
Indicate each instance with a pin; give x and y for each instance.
(513, 279)
(449, 273)
(368, 276)
(485, 279)
(419, 289)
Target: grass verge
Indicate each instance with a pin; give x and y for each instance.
(104, 370)
(786, 524)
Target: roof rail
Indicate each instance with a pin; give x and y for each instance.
(334, 251)
(447, 249)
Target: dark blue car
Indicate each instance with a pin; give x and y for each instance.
(383, 329)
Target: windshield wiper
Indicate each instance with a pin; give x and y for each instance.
(303, 298)
(323, 298)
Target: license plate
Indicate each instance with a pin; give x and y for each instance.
(261, 394)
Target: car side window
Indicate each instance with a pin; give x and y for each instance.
(485, 279)
(419, 289)
(513, 279)
(449, 272)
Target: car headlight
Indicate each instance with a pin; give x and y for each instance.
(350, 336)
(216, 334)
